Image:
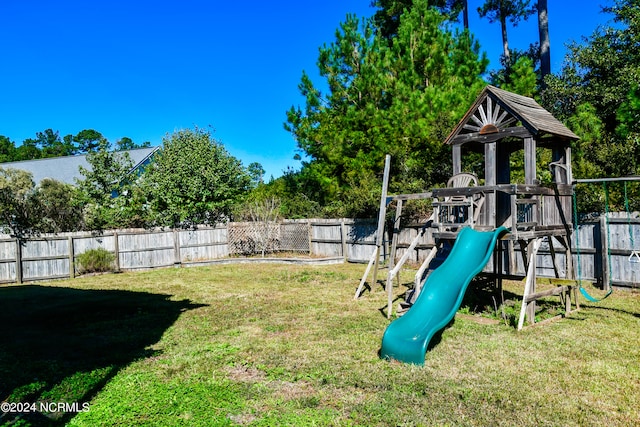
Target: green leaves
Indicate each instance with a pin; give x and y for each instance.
(598, 95)
(17, 202)
(193, 180)
(399, 96)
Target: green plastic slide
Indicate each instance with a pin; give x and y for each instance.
(406, 338)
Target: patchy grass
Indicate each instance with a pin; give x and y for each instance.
(266, 345)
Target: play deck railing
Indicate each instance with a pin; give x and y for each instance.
(522, 208)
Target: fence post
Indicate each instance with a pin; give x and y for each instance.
(18, 261)
(176, 248)
(310, 236)
(343, 239)
(72, 268)
(116, 250)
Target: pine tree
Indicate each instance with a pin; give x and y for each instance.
(399, 96)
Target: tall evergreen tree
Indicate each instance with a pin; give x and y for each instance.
(52, 146)
(503, 10)
(28, 150)
(398, 96)
(603, 70)
(89, 140)
(597, 94)
(387, 17)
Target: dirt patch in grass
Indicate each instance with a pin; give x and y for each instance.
(481, 320)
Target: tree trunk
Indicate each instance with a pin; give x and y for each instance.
(543, 29)
(465, 14)
(505, 41)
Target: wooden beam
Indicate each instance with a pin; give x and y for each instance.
(549, 292)
(376, 254)
(514, 132)
(415, 196)
(456, 153)
(490, 177)
(529, 160)
(383, 201)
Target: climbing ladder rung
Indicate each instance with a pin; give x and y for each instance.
(549, 292)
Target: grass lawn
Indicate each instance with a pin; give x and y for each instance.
(271, 345)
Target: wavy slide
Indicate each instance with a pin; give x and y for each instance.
(406, 338)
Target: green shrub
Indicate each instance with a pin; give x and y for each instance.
(95, 261)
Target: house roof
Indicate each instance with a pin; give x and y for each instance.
(496, 109)
(67, 169)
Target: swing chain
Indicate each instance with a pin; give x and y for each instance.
(577, 234)
(583, 291)
(608, 228)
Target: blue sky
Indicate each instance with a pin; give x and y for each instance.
(142, 68)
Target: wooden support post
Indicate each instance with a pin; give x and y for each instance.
(523, 251)
(490, 178)
(514, 215)
(394, 239)
(456, 153)
(552, 249)
(382, 214)
(533, 265)
(529, 160)
(530, 283)
(375, 258)
(418, 277)
(566, 244)
(567, 161)
(394, 272)
(513, 260)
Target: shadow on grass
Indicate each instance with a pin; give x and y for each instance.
(63, 345)
(610, 309)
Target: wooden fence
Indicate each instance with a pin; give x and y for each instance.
(54, 257)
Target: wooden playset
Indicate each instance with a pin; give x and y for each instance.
(505, 129)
